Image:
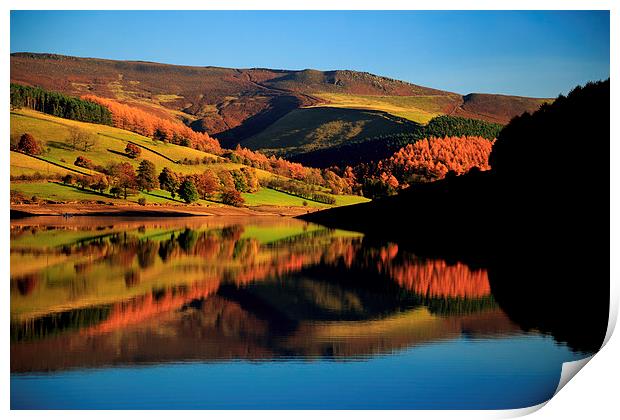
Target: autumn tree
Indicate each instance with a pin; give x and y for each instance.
(239, 179)
(187, 191)
(169, 181)
(425, 160)
(251, 179)
(123, 176)
(147, 176)
(207, 183)
(132, 150)
(80, 139)
(28, 144)
(146, 124)
(99, 183)
(233, 198)
(228, 183)
(83, 181)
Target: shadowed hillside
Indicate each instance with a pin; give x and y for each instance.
(234, 104)
(309, 129)
(536, 218)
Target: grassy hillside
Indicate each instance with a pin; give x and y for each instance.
(309, 129)
(108, 148)
(419, 109)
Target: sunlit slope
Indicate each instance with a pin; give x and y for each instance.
(419, 109)
(236, 104)
(109, 146)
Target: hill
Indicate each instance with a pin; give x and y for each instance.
(308, 129)
(38, 176)
(238, 104)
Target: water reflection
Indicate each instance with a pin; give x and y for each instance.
(88, 293)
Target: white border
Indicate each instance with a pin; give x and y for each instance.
(593, 395)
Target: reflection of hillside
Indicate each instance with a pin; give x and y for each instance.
(287, 316)
(111, 267)
(165, 292)
(216, 328)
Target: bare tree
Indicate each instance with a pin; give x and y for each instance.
(80, 139)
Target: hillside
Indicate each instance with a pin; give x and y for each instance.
(238, 104)
(539, 228)
(309, 129)
(31, 175)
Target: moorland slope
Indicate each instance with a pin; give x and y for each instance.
(238, 104)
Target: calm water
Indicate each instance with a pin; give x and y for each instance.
(257, 313)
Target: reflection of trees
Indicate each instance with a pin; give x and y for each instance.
(26, 284)
(60, 322)
(132, 278)
(147, 252)
(431, 278)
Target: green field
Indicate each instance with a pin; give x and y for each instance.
(108, 148)
(267, 196)
(27, 165)
(419, 109)
(58, 192)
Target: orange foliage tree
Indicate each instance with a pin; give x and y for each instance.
(431, 159)
(141, 122)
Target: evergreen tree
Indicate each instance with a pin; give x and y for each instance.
(169, 181)
(147, 176)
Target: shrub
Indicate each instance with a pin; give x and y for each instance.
(84, 162)
(142, 201)
(132, 150)
(68, 179)
(116, 191)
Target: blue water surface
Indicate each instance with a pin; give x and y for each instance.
(462, 373)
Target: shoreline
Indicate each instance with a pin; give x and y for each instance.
(21, 211)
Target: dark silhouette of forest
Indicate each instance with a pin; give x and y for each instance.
(539, 219)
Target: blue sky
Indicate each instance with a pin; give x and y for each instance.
(528, 53)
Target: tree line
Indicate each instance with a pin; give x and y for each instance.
(122, 180)
(312, 176)
(166, 130)
(59, 105)
(426, 160)
(300, 190)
